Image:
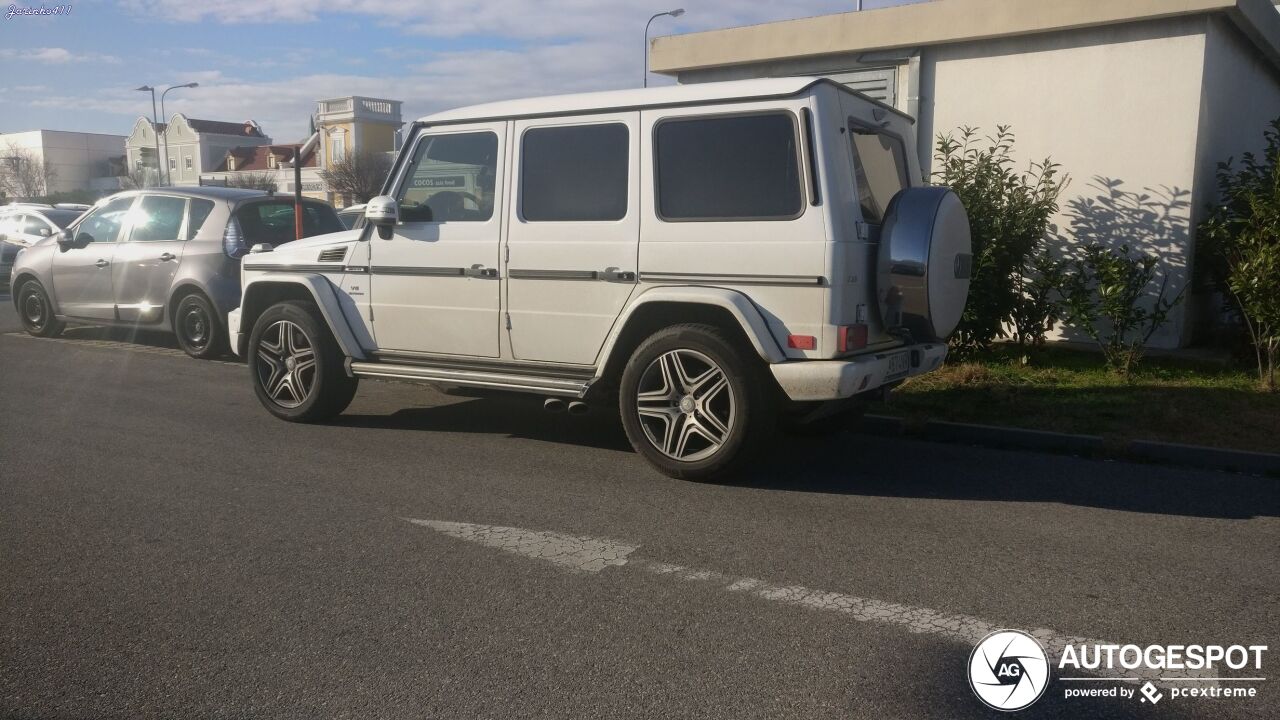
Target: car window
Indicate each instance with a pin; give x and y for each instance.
(450, 179)
(880, 169)
(33, 225)
(103, 224)
(10, 224)
(736, 167)
(273, 221)
(199, 212)
(574, 173)
(158, 218)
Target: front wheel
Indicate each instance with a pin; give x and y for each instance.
(695, 403)
(36, 311)
(296, 366)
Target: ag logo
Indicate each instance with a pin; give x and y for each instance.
(1008, 670)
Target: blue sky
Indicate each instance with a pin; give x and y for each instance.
(270, 60)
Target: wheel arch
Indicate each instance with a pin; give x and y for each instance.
(665, 306)
(262, 292)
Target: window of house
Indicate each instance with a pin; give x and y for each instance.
(450, 179)
(736, 167)
(271, 161)
(187, 162)
(338, 145)
(158, 218)
(880, 169)
(173, 163)
(576, 173)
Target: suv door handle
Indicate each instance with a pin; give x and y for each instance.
(481, 271)
(166, 257)
(102, 263)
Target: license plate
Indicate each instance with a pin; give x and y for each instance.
(899, 365)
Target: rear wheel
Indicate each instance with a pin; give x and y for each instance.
(694, 402)
(36, 312)
(195, 322)
(296, 366)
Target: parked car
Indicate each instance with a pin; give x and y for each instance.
(167, 259)
(24, 224)
(352, 216)
(712, 256)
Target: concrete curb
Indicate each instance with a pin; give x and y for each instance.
(1088, 445)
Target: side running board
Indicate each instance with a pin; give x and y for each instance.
(540, 384)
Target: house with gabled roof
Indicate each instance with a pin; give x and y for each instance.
(187, 147)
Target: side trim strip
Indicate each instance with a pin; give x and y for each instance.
(453, 362)
(798, 280)
(334, 268)
(553, 274)
(412, 270)
(471, 378)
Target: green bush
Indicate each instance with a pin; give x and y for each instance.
(1009, 215)
(1103, 293)
(1037, 306)
(1239, 246)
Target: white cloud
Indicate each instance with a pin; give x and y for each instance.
(56, 56)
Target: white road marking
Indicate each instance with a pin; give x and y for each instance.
(592, 555)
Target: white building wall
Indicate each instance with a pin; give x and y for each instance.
(1118, 107)
(77, 158)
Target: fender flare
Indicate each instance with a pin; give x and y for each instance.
(738, 305)
(320, 289)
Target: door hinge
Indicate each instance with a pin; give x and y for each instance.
(508, 320)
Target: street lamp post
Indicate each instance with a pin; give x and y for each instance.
(673, 13)
(168, 177)
(155, 130)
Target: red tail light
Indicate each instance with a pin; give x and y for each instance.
(852, 337)
(802, 342)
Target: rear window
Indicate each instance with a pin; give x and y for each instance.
(272, 221)
(574, 173)
(880, 169)
(198, 213)
(738, 167)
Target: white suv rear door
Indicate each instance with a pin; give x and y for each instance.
(573, 233)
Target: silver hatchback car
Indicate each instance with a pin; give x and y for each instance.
(165, 259)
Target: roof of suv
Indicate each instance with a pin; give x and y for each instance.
(693, 94)
(696, 93)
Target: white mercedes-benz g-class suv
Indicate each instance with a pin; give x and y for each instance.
(708, 258)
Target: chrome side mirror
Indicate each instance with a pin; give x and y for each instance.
(382, 213)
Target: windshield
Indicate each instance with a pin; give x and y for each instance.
(61, 218)
(272, 221)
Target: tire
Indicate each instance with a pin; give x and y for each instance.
(286, 337)
(36, 312)
(196, 324)
(695, 402)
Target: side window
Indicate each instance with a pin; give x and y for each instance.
(158, 218)
(574, 173)
(738, 167)
(103, 225)
(880, 169)
(34, 224)
(450, 179)
(199, 212)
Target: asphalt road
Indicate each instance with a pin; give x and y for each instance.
(168, 549)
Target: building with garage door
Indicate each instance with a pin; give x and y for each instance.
(1137, 99)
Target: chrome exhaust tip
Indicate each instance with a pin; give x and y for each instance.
(553, 405)
(577, 407)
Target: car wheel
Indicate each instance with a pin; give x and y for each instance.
(695, 402)
(296, 366)
(196, 324)
(36, 312)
